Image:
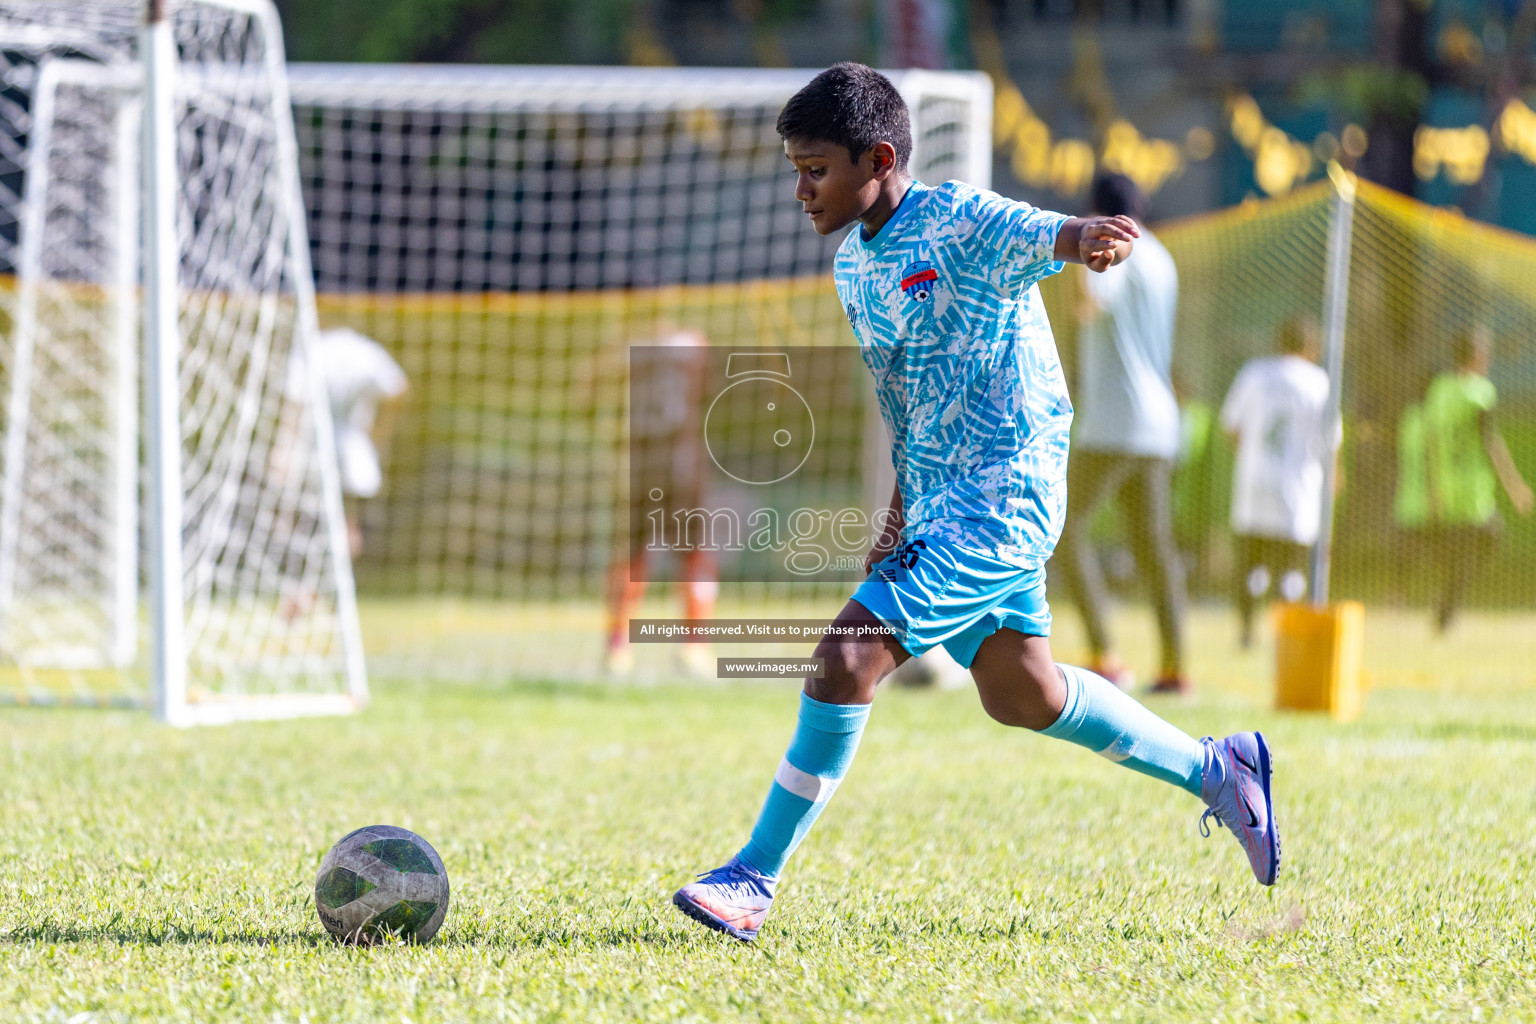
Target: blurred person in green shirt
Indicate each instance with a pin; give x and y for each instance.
(1452, 461)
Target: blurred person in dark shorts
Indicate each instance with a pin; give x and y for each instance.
(1126, 438)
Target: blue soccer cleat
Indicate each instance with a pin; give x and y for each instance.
(1236, 791)
(733, 899)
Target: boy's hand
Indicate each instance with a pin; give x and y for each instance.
(1106, 241)
(1096, 242)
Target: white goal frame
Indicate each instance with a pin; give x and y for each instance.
(141, 174)
(475, 87)
(53, 73)
(163, 345)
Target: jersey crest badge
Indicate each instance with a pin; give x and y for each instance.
(917, 280)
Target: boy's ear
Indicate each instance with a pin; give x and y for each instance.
(882, 160)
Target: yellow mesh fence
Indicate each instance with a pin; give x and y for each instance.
(1422, 281)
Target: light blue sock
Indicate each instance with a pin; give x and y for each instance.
(1112, 724)
(826, 739)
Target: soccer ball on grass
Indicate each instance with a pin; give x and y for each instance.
(382, 882)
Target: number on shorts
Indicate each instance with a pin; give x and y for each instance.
(909, 554)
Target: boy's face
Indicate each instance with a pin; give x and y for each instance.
(834, 189)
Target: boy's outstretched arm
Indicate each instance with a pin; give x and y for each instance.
(1096, 242)
(1504, 465)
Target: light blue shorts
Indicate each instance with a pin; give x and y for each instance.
(931, 592)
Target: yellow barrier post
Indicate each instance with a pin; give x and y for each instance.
(1318, 654)
(1318, 647)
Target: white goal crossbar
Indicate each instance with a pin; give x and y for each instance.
(959, 149)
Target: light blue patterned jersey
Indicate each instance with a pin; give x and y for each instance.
(948, 314)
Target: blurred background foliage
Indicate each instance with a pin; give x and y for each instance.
(1204, 102)
(522, 31)
(471, 31)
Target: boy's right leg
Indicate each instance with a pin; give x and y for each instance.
(1021, 685)
(735, 898)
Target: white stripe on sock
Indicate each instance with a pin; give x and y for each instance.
(1120, 750)
(803, 784)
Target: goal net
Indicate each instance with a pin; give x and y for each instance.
(246, 551)
(509, 234)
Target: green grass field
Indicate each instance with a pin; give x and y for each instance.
(965, 872)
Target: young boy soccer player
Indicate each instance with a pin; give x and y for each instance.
(939, 284)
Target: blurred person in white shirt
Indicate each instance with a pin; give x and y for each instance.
(1275, 412)
(1125, 437)
(365, 389)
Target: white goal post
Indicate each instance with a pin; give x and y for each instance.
(249, 604)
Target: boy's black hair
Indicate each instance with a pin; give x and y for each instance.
(852, 106)
(1115, 195)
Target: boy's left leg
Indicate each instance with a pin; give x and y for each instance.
(735, 898)
(1021, 685)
